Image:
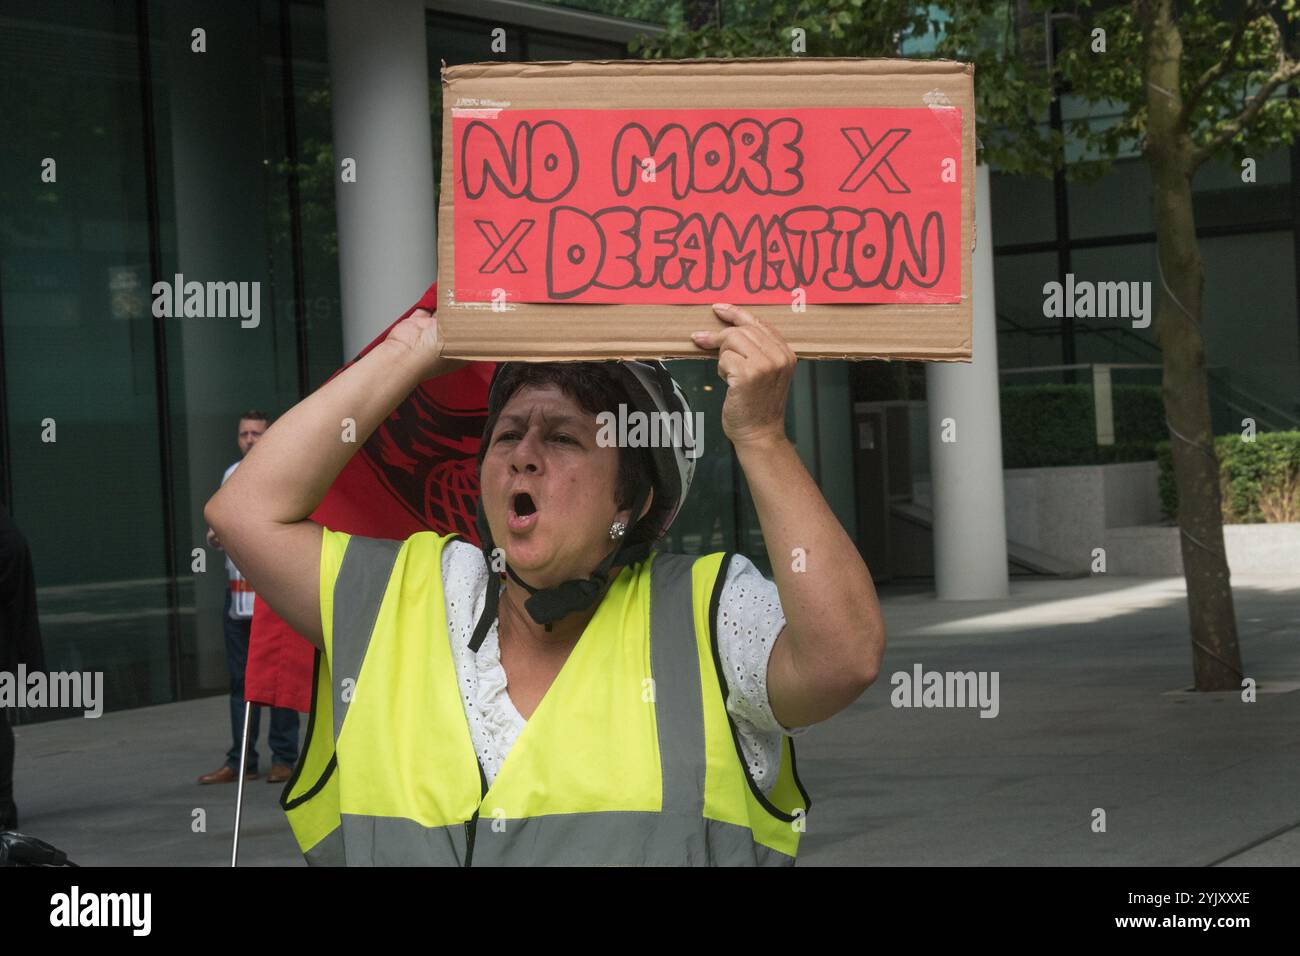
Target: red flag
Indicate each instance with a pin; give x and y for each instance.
(417, 472)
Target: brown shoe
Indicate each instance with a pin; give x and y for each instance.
(225, 775)
(279, 773)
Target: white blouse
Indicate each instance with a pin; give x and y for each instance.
(749, 620)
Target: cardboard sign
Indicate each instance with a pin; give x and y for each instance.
(581, 219)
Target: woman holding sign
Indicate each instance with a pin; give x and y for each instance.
(566, 694)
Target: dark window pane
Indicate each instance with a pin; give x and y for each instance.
(75, 307)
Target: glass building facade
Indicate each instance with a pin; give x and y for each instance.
(1104, 231)
(127, 137)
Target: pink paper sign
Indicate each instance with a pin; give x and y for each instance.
(710, 205)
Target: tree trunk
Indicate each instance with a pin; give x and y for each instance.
(1216, 655)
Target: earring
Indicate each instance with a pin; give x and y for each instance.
(617, 530)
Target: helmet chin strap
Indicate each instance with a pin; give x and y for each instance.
(548, 605)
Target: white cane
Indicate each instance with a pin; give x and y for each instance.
(239, 794)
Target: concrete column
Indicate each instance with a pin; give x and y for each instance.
(970, 528)
(379, 88)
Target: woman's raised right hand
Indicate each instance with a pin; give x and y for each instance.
(420, 335)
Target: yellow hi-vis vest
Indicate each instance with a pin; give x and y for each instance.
(631, 758)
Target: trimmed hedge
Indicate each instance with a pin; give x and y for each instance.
(1259, 480)
(1046, 425)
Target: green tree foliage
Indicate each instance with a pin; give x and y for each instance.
(1232, 80)
(831, 28)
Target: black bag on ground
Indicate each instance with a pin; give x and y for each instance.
(19, 850)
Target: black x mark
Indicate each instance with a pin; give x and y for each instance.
(503, 249)
(880, 168)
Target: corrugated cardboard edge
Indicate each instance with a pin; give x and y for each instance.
(741, 66)
(465, 85)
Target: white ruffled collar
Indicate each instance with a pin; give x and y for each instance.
(501, 718)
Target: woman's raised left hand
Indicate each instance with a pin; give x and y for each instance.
(758, 366)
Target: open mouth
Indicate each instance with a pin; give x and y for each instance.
(522, 513)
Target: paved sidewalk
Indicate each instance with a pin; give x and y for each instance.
(1089, 717)
(1084, 723)
(120, 790)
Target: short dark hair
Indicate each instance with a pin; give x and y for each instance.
(596, 388)
(256, 416)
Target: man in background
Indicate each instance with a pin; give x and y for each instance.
(20, 643)
(238, 621)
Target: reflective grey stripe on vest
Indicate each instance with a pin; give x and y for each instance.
(388, 841)
(620, 838)
(329, 851)
(397, 841)
(358, 593)
(563, 839)
(679, 704)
